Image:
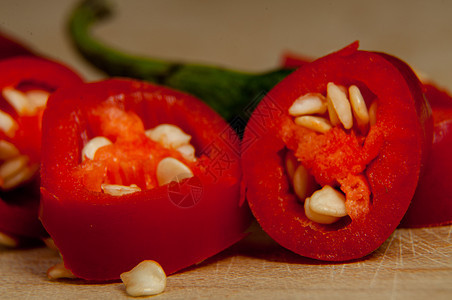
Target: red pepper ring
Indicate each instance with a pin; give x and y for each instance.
(403, 124)
(100, 235)
(19, 204)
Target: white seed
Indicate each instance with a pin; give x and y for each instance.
(8, 241)
(7, 124)
(318, 124)
(170, 169)
(168, 135)
(302, 182)
(373, 113)
(311, 103)
(19, 101)
(89, 150)
(146, 279)
(38, 97)
(341, 104)
(334, 119)
(291, 164)
(326, 205)
(59, 271)
(315, 217)
(21, 176)
(187, 151)
(7, 150)
(358, 105)
(119, 190)
(13, 166)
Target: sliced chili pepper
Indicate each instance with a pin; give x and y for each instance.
(101, 234)
(25, 83)
(363, 177)
(432, 202)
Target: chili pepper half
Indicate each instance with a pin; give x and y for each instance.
(134, 171)
(432, 202)
(333, 153)
(25, 84)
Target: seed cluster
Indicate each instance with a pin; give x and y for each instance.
(340, 107)
(15, 167)
(168, 169)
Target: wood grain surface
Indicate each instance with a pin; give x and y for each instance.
(251, 35)
(411, 264)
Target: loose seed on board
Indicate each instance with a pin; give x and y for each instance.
(59, 271)
(146, 279)
(168, 135)
(341, 104)
(170, 169)
(89, 150)
(8, 241)
(119, 190)
(318, 124)
(311, 103)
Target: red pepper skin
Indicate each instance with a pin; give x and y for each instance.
(9, 47)
(432, 202)
(403, 117)
(19, 206)
(99, 235)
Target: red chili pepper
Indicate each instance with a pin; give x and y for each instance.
(10, 47)
(25, 83)
(375, 168)
(100, 235)
(432, 202)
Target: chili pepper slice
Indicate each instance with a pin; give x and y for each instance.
(432, 202)
(25, 83)
(363, 174)
(101, 233)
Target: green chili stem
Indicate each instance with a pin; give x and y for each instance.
(227, 91)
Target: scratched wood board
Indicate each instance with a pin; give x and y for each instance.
(411, 264)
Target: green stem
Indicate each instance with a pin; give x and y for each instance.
(227, 91)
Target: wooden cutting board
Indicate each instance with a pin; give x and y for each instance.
(411, 264)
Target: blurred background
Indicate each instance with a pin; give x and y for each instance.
(249, 35)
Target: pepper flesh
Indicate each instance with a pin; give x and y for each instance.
(100, 235)
(19, 205)
(392, 164)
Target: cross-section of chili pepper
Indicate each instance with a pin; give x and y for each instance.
(432, 202)
(133, 172)
(25, 84)
(331, 174)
